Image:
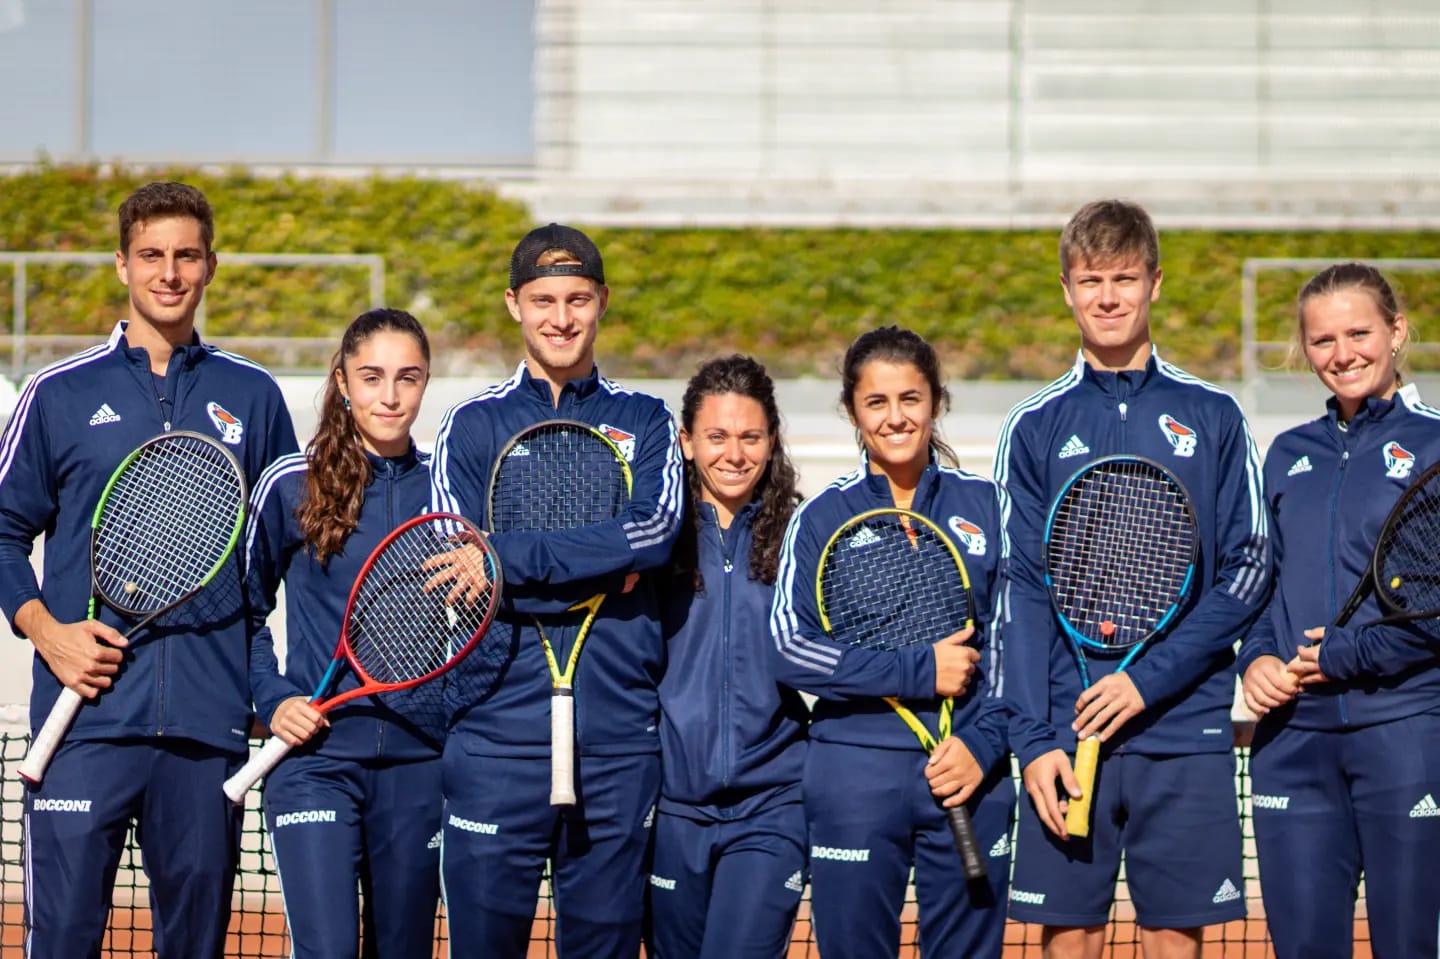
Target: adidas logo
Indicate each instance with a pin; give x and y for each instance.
(1001, 848)
(434, 842)
(519, 449)
(1302, 465)
(1073, 447)
(796, 882)
(1425, 808)
(104, 415)
(1226, 893)
(864, 536)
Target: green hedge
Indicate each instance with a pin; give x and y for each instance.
(795, 297)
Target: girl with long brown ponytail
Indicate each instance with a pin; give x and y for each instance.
(363, 782)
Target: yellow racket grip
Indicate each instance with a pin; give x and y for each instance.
(1077, 814)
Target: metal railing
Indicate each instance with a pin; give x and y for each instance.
(1251, 345)
(293, 347)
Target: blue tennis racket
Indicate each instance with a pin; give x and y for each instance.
(1121, 545)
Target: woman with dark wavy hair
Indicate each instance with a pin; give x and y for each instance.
(358, 802)
(730, 834)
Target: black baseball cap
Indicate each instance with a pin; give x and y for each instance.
(528, 251)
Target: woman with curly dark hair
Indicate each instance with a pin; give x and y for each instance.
(730, 834)
(358, 801)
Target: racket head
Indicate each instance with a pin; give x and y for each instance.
(554, 475)
(1121, 546)
(168, 518)
(1404, 565)
(891, 578)
(398, 634)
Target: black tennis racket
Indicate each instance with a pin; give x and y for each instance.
(1121, 547)
(1404, 571)
(401, 629)
(888, 579)
(559, 475)
(166, 522)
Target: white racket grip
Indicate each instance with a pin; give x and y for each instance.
(562, 746)
(57, 724)
(269, 756)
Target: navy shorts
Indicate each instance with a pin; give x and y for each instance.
(1176, 819)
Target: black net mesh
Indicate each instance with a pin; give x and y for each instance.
(257, 925)
(1119, 551)
(888, 580)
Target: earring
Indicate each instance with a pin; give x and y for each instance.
(1394, 351)
(347, 402)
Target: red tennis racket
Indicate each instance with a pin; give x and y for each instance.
(401, 628)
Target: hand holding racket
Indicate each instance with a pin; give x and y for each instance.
(559, 475)
(1120, 551)
(1404, 570)
(401, 627)
(888, 579)
(167, 520)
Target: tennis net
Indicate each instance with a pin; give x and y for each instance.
(257, 925)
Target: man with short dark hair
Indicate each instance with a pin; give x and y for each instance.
(168, 712)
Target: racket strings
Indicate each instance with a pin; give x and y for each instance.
(1407, 573)
(166, 524)
(885, 584)
(398, 631)
(557, 477)
(1120, 552)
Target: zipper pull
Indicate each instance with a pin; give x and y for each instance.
(1123, 408)
(729, 566)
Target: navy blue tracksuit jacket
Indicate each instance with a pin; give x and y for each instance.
(156, 745)
(1198, 432)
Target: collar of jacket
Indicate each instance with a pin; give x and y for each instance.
(394, 465)
(709, 516)
(877, 485)
(191, 353)
(582, 387)
(1121, 382)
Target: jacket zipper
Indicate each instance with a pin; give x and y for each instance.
(164, 646)
(390, 524)
(725, 659)
(1334, 511)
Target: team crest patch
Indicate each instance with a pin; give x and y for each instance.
(972, 536)
(1398, 461)
(229, 425)
(623, 440)
(1181, 437)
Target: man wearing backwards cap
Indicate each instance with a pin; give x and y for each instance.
(500, 828)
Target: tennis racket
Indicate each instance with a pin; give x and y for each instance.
(559, 475)
(400, 629)
(1404, 570)
(1120, 552)
(888, 579)
(167, 520)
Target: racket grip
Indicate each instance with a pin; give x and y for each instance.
(1087, 759)
(269, 756)
(47, 740)
(963, 831)
(562, 746)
